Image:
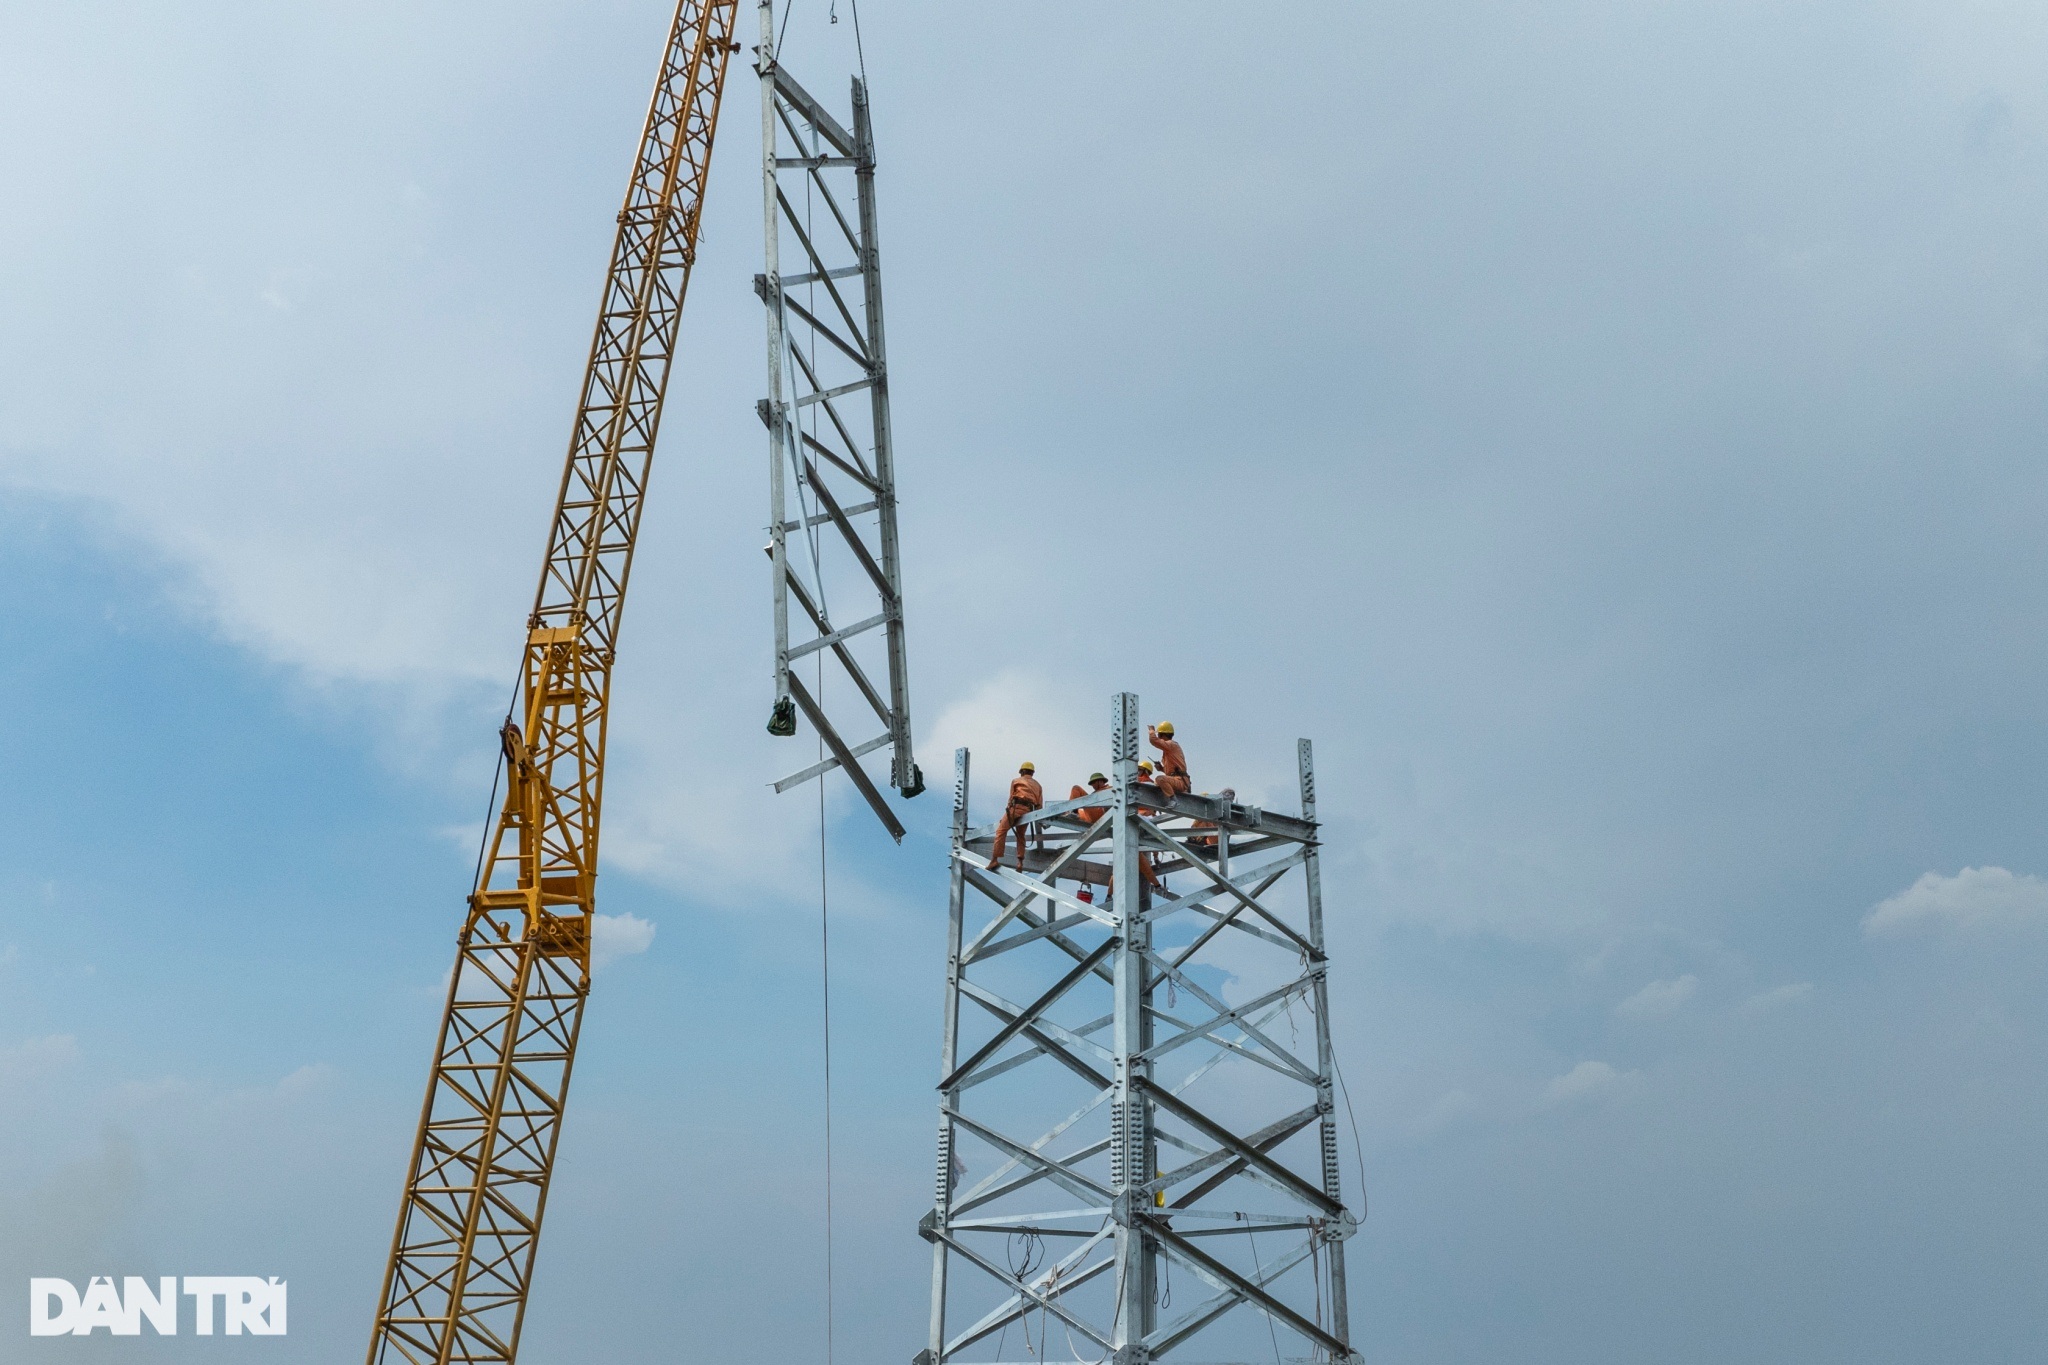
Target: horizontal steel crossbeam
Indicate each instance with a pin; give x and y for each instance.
(1180, 1168)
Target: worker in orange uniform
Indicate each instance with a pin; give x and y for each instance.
(1090, 814)
(1229, 796)
(1172, 777)
(1144, 859)
(1026, 796)
(1145, 775)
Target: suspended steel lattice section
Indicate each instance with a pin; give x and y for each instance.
(832, 485)
(1137, 1139)
(461, 1262)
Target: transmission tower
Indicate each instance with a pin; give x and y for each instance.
(832, 479)
(1137, 1133)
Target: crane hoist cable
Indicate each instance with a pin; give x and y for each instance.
(814, 544)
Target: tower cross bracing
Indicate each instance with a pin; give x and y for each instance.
(1138, 1156)
(832, 538)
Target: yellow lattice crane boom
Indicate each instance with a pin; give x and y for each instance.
(455, 1289)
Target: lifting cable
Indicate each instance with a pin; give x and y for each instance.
(1357, 1147)
(812, 539)
(857, 49)
(824, 883)
(825, 956)
(1251, 1232)
(483, 846)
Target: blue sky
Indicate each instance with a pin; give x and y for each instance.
(1612, 432)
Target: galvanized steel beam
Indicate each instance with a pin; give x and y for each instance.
(1239, 1088)
(832, 538)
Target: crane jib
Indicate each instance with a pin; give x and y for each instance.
(454, 1290)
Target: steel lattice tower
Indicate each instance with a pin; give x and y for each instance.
(1137, 1131)
(831, 456)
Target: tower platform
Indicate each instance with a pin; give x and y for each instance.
(1137, 1155)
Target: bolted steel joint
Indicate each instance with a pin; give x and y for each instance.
(1123, 1208)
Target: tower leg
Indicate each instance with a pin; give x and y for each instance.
(1121, 1197)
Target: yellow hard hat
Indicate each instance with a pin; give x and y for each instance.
(1166, 728)
(1028, 767)
(1144, 767)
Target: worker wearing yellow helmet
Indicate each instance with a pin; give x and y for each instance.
(1026, 796)
(1172, 778)
(1097, 782)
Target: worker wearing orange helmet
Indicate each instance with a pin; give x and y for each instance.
(1026, 796)
(1172, 777)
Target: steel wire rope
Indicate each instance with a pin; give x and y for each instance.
(1315, 1270)
(807, 524)
(858, 51)
(1251, 1233)
(483, 845)
(813, 543)
(1343, 1090)
(1055, 1292)
(1116, 1315)
(1357, 1152)
(1029, 1248)
(825, 984)
(787, 10)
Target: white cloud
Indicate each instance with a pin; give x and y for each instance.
(1659, 999)
(37, 1057)
(309, 1079)
(1584, 1081)
(139, 1094)
(1765, 1001)
(465, 836)
(1976, 897)
(1012, 717)
(615, 936)
(1451, 1108)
